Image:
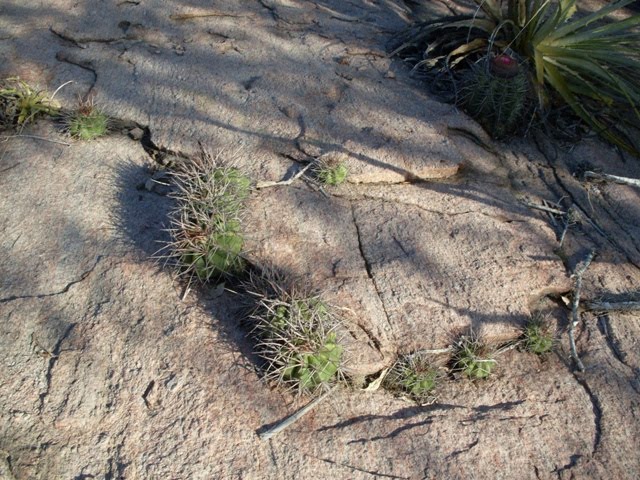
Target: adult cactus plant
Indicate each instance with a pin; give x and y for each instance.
(496, 91)
(297, 336)
(206, 232)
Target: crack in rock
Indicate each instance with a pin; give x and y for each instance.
(573, 461)
(584, 212)
(605, 329)
(53, 294)
(51, 362)
(454, 454)
(67, 57)
(368, 267)
(597, 412)
(361, 470)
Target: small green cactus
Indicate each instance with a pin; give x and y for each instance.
(313, 369)
(206, 232)
(537, 336)
(296, 336)
(330, 170)
(87, 123)
(496, 92)
(218, 255)
(414, 376)
(472, 357)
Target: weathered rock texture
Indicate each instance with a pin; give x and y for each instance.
(107, 373)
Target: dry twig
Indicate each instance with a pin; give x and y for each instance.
(612, 306)
(284, 182)
(633, 182)
(290, 420)
(8, 137)
(575, 304)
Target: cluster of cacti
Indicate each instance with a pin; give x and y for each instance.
(413, 376)
(87, 122)
(297, 337)
(496, 92)
(206, 230)
(472, 357)
(20, 104)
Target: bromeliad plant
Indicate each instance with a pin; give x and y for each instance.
(20, 103)
(583, 60)
(297, 336)
(206, 233)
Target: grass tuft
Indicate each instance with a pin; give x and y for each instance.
(331, 172)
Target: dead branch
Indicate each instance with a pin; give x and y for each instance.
(290, 420)
(284, 182)
(604, 177)
(575, 304)
(554, 211)
(602, 306)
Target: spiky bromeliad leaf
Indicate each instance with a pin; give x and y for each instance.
(594, 68)
(591, 65)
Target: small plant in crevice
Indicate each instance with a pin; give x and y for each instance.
(496, 92)
(330, 172)
(207, 238)
(21, 104)
(297, 336)
(537, 335)
(472, 357)
(413, 376)
(87, 122)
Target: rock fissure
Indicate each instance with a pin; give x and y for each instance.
(78, 41)
(51, 362)
(621, 225)
(605, 330)
(361, 470)
(584, 213)
(467, 448)
(368, 267)
(64, 290)
(597, 411)
(67, 57)
(573, 462)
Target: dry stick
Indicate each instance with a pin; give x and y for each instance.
(575, 303)
(295, 417)
(634, 182)
(284, 182)
(7, 137)
(189, 16)
(555, 211)
(612, 306)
